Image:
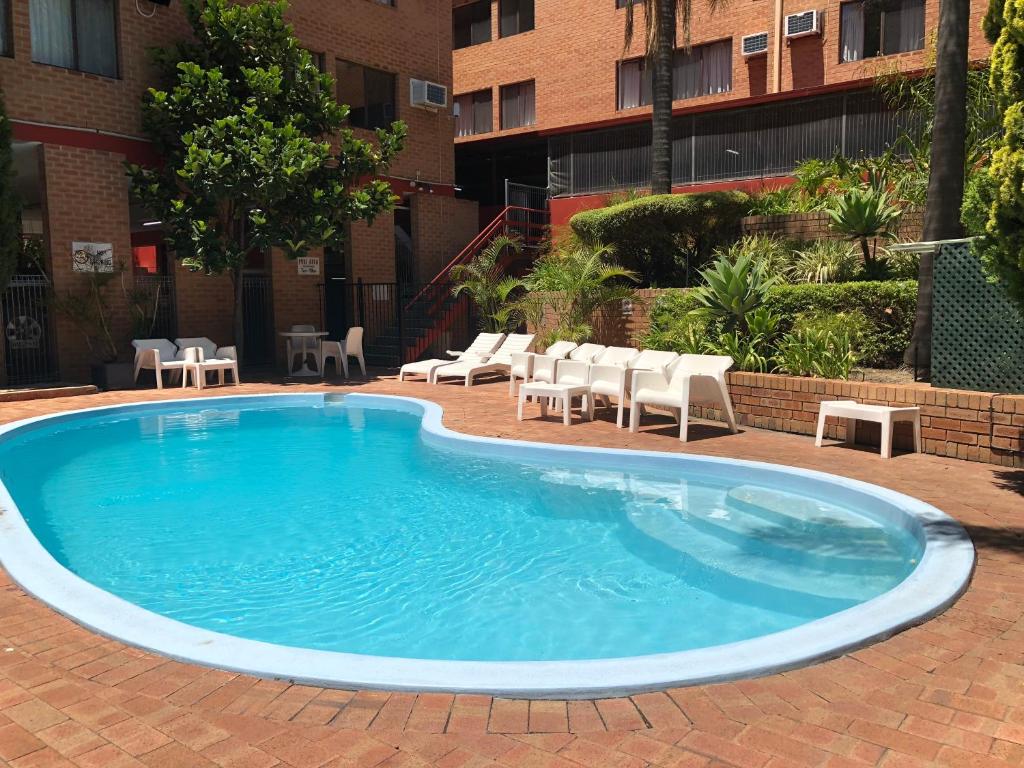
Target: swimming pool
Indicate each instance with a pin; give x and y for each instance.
(356, 541)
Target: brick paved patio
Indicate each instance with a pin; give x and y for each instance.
(950, 692)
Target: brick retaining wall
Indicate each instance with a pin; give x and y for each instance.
(974, 426)
(814, 225)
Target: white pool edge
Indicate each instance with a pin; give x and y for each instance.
(942, 575)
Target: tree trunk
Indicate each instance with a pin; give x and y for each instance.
(946, 166)
(239, 313)
(661, 87)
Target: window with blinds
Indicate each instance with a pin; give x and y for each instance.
(471, 24)
(704, 70)
(869, 29)
(516, 17)
(518, 105)
(75, 34)
(475, 113)
(369, 94)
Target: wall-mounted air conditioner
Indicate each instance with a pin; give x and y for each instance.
(423, 93)
(803, 24)
(752, 45)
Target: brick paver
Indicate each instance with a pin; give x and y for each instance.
(950, 692)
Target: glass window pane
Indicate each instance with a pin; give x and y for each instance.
(52, 37)
(380, 98)
(97, 39)
(351, 90)
(851, 32)
(483, 110)
(5, 28)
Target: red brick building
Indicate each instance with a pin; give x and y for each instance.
(548, 96)
(73, 73)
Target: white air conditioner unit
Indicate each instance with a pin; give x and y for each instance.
(803, 24)
(752, 45)
(423, 93)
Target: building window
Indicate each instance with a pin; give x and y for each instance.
(6, 47)
(475, 113)
(516, 17)
(624, 3)
(517, 105)
(879, 28)
(471, 24)
(75, 34)
(704, 70)
(369, 94)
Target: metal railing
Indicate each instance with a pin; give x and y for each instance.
(257, 319)
(28, 338)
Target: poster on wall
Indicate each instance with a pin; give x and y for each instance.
(308, 265)
(92, 257)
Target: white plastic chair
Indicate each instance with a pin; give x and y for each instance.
(196, 364)
(483, 347)
(157, 355)
(499, 362)
(606, 376)
(211, 352)
(691, 379)
(341, 351)
(525, 364)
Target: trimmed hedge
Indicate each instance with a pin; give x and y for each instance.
(660, 236)
(888, 305)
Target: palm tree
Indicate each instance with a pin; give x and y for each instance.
(661, 18)
(946, 166)
(488, 287)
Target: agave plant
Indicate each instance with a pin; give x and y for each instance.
(732, 290)
(825, 261)
(488, 287)
(862, 214)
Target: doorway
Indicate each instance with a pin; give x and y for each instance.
(337, 292)
(405, 255)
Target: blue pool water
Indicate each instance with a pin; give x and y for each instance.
(338, 528)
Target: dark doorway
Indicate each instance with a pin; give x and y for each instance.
(405, 257)
(337, 293)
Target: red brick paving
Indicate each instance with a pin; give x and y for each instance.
(947, 693)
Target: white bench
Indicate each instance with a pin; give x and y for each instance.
(885, 415)
(564, 393)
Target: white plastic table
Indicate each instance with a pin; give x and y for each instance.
(885, 415)
(563, 392)
(305, 337)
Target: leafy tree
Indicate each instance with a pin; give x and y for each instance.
(256, 150)
(484, 280)
(661, 19)
(1002, 248)
(10, 206)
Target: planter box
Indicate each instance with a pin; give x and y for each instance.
(113, 376)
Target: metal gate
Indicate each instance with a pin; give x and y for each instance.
(257, 320)
(28, 342)
(528, 211)
(156, 297)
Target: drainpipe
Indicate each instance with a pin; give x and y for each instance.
(777, 49)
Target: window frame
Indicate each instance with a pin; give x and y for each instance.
(76, 48)
(643, 70)
(519, 30)
(501, 105)
(7, 38)
(472, 96)
(477, 4)
(365, 69)
(880, 32)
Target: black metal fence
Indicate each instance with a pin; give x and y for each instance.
(156, 295)
(746, 143)
(28, 337)
(257, 319)
(401, 321)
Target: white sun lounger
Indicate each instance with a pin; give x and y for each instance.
(499, 362)
(690, 379)
(481, 349)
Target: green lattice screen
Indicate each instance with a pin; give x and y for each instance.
(977, 334)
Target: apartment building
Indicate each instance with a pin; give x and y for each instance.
(548, 95)
(73, 73)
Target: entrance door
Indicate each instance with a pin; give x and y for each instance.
(405, 259)
(337, 294)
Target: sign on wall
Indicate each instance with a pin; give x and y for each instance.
(308, 265)
(92, 257)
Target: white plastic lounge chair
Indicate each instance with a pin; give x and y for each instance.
(341, 351)
(213, 355)
(606, 376)
(483, 347)
(196, 365)
(524, 364)
(157, 355)
(499, 362)
(691, 379)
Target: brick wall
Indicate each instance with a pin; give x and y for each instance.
(204, 305)
(815, 225)
(572, 55)
(975, 426)
(442, 227)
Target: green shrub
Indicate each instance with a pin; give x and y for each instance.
(825, 261)
(731, 291)
(901, 264)
(816, 352)
(852, 324)
(661, 236)
(772, 254)
(888, 306)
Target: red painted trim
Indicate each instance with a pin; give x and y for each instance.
(134, 150)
